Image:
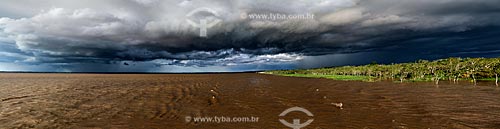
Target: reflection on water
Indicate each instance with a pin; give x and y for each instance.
(163, 101)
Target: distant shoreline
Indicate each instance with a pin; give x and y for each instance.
(133, 72)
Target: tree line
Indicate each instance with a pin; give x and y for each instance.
(452, 69)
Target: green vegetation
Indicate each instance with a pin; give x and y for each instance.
(452, 69)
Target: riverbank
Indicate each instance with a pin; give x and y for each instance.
(452, 69)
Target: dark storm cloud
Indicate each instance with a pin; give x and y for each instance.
(157, 32)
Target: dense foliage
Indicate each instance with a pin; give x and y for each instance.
(452, 69)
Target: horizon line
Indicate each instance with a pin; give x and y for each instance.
(133, 72)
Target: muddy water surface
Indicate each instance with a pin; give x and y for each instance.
(174, 100)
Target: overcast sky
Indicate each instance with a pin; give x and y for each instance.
(155, 35)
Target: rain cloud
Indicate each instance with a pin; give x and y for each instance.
(155, 32)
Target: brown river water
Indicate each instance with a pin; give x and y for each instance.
(175, 100)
